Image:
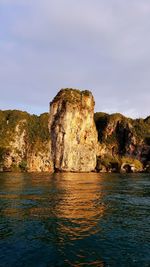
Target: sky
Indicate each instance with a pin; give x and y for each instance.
(97, 45)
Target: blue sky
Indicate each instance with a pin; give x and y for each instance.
(100, 45)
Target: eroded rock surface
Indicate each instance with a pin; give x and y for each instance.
(24, 142)
(72, 131)
(122, 141)
(66, 139)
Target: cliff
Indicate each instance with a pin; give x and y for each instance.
(72, 131)
(24, 142)
(72, 138)
(123, 140)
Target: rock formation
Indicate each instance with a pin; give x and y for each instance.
(122, 142)
(72, 131)
(67, 139)
(24, 142)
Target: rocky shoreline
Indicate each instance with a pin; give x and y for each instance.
(71, 138)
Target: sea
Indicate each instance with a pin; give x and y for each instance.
(74, 219)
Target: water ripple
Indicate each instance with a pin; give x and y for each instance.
(74, 220)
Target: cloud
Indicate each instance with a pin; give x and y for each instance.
(98, 45)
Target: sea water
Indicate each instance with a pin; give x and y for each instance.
(68, 219)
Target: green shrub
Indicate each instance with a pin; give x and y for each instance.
(138, 165)
(23, 165)
(108, 161)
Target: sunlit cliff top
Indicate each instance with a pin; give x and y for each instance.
(71, 95)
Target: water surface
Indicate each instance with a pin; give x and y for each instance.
(74, 220)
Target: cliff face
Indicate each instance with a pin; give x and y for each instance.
(67, 139)
(123, 139)
(72, 131)
(24, 142)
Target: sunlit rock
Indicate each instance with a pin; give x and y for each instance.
(72, 131)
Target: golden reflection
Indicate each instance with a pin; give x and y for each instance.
(81, 206)
(17, 191)
(12, 182)
(74, 202)
(66, 206)
(13, 185)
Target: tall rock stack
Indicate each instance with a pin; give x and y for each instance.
(72, 131)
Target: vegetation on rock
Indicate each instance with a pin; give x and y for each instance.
(121, 140)
(71, 95)
(34, 132)
(125, 139)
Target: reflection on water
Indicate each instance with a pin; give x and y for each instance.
(72, 198)
(73, 219)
